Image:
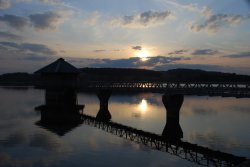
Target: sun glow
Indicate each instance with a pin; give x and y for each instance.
(143, 55)
(143, 106)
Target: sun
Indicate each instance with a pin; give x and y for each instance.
(143, 55)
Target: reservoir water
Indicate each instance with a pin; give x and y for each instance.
(214, 122)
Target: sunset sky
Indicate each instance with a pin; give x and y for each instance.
(152, 34)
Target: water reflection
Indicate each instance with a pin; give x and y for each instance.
(141, 109)
(51, 119)
(103, 113)
(143, 106)
(224, 128)
(191, 152)
(61, 112)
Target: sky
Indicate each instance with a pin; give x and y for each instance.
(150, 34)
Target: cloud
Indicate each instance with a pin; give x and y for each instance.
(23, 1)
(46, 141)
(136, 62)
(204, 52)
(125, 63)
(189, 7)
(206, 12)
(10, 44)
(92, 18)
(194, 52)
(239, 55)
(178, 52)
(16, 22)
(214, 22)
(160, 63)
(204, 111)
(4, 4)
(47, 20)
(40, 21)
(143, 20)
(17, 138)
(51, 2)
(137, 47)
(37, 48)
(29, 48)
(9, 36)
(207, 67)
(20, 60)
(248, 2)
(160, 60)
(11, 60)
(53, 149)
(217, 141)
(99, 50)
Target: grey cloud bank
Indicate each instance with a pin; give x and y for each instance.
(4, 4)
(40, 21)
(48, 20)
(205, 52)
(214, 22)
(36, 48)
(239, 55)
(9, 36)
(16, 22)
(142, 20)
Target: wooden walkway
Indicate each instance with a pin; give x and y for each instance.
(225, 89)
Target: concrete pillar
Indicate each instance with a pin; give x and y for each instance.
(172, 103)
(103, 114)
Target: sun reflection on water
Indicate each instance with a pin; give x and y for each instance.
(143, 106)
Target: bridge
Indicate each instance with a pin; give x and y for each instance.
(173, 96)
(197, 154)
(224, 89)
(60, 82)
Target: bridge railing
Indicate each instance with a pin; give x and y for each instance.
(171, 85)
(168, 84)
(235, 89)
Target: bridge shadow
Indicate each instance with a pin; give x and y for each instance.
(197, 154)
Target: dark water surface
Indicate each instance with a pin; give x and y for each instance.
(214, 122)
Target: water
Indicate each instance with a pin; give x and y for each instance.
(213, 122)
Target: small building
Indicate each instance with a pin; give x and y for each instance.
(59, 74)
(59, 79)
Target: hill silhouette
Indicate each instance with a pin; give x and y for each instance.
(130, 74)
(123, 74)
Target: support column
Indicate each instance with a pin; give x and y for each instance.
(172, 103)
(104, 114)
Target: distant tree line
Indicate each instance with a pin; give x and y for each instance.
(128, 74)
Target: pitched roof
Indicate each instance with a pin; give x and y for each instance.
(59, 66)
